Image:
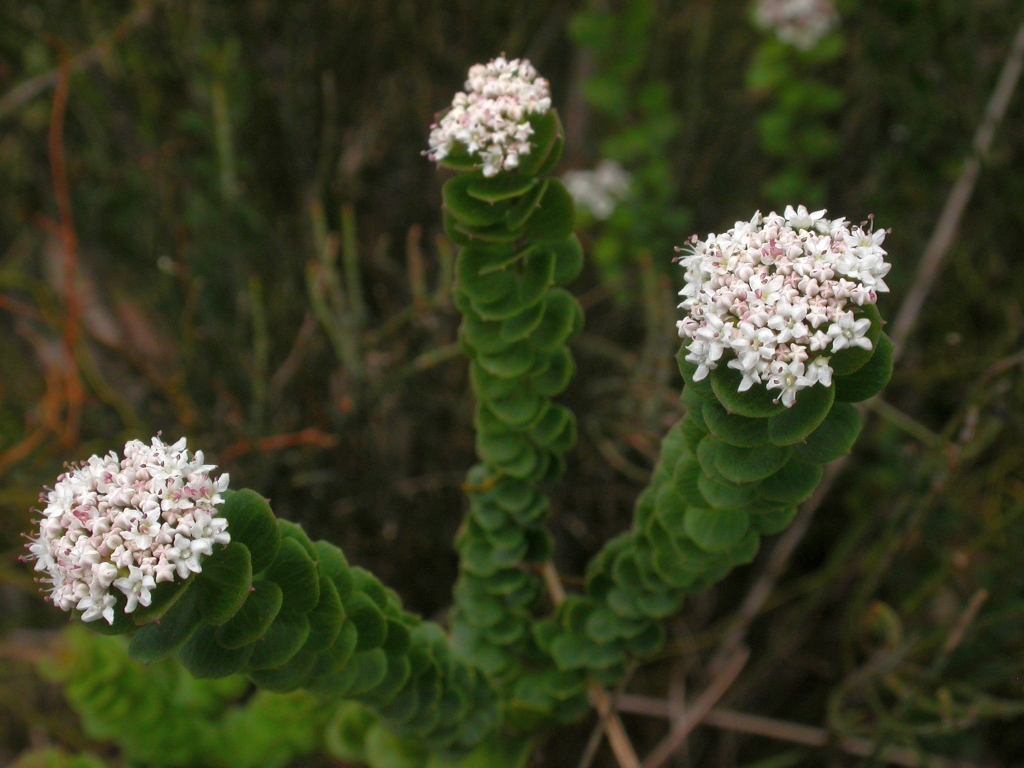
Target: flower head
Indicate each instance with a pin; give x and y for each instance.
(601, 190)
(490, 119)
(800, 23)
(127, 524)
(775, 297)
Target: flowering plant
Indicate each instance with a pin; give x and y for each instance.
(786, 302)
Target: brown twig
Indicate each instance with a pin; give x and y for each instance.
(612, 723)
(21, 449)
(697, 711)
(782, 730)
(310, 436)
(69, 240)
(949, 221)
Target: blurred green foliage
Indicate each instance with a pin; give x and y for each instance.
(261, 266)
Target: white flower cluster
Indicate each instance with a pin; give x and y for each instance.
(127, 524)
(778, 292)
(800, 23)
(600, 190)
(491, 118)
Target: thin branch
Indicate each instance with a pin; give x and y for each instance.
(311, 436)
(959, 197)
(782, 730)
(609, 718)
(901, 420)
(701, 706)
(35, 86)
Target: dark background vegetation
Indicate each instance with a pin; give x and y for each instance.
(259, 265)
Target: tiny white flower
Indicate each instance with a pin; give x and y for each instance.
(849, 332)
(820, 371)
(135, 586)
(790, 379)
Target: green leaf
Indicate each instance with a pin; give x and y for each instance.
(732, 428)
(576, 652)
(658, 605)
(555, 217)
(546, 129)
(489, 386)
(253, 619)
(519, 411)
(774, 521)
(252, 522)
(386, 750)
(466, 208)
(501, 448)
(289, 676)
(724, 495)
(556, 326)
(364, 672)
(331, 563)
(568, 258)
(557, 375)
(161, 599)
(517, 215)
(520, 326)
(551, 424)
(748, 465)
(869, 379)
(794, 424)
(501, 187)
(687, 371)
(484, 286)
(553, 156)
(161, 638)
(648, 642)
(717, 530)
(506, 631)
(495, 233)
(451, 228)
(290, 530)
(336, 657)
(756, 403)
(511, 363)
(325, 619)
(368, 620)
(282, 640)
(685, 479)
(205, 658)
(224, 583)
(346, 734)
(369, 585)
(666, 558)
(848, 360)
(293, 570)
(834, 437)
(792, 484)
(397, 641)
(692, 432)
